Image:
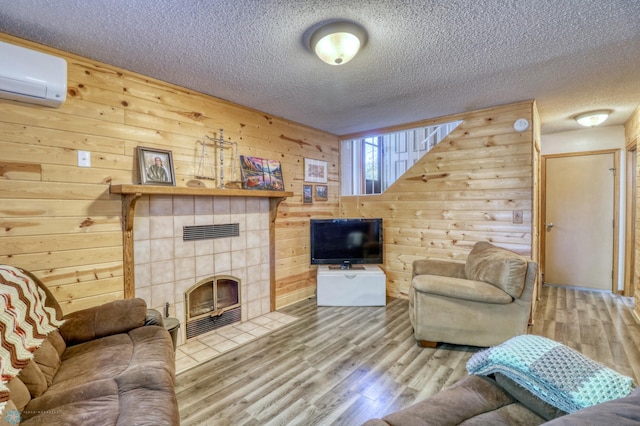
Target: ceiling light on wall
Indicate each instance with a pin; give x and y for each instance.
(336, 43)
(592, 118)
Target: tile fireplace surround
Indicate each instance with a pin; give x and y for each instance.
(166, 266)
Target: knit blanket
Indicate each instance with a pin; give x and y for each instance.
(555, 373)
(25, 322)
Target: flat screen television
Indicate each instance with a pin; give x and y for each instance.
(346, 242)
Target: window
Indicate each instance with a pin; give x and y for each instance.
(370, 165)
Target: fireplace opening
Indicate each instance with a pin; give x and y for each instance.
(212, 303)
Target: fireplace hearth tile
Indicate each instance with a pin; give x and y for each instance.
(260, 331)
(205, 354)
(225, 346)
(212, 344)
(243, 338)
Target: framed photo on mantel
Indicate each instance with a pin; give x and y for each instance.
(156, 166)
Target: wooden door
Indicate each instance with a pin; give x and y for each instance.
(579, 220)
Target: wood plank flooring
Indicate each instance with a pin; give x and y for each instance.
(344, 365)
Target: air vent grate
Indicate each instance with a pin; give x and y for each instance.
(203, 325)
(208, 232)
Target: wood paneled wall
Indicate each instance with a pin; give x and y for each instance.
(463, 191)
(632, 137)
(60, 221)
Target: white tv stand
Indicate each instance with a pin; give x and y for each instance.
(362, 285)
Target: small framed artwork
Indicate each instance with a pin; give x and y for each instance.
(321, 193)
(307, 194)
(315, 171)
(156, 166)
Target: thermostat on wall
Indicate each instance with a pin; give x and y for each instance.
(521, 125)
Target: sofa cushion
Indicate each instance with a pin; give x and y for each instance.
(33, 378)
(48, 360)
(460, 288)
(480, 395)
(93, 403)
(500, 267)
(529, 400)
(622, 411)
(509, 415)
(110, 356)
(10, 415)
(553, 372)
(56, 340)
(19, 393)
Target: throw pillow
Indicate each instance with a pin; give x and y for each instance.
(555, 373)
(500, 267)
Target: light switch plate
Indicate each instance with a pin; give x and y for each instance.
(84, 159)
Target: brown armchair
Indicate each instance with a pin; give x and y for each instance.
(482, 302)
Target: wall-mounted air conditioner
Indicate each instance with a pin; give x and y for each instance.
(30, 76)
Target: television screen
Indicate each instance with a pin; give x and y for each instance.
(346, 241)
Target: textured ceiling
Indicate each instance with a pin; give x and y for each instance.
(423, 59)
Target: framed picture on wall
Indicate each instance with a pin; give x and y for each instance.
(315, 171)
(322, 193)
(307, 194)
(261, 174)
(156, 166)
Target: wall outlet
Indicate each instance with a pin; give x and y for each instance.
(84, 159)
(517, 216)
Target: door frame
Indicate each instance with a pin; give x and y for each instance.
(630, 219)
(616, 209)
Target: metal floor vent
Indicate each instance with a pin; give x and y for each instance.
(207, 232)
(203, 325)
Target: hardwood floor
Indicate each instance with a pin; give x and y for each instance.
(344, 365)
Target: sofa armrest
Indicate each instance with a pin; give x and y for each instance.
(119, 316)
(438, 267)
(154, 317)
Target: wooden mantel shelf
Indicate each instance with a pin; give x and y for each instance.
(131, 193)
(129, 189)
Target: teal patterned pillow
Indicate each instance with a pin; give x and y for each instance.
(553, 372)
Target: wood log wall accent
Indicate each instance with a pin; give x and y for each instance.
(60, 221)
(464, 190)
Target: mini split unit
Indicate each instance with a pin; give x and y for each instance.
(33, 77)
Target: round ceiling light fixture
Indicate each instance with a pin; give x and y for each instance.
(336, 43)
(593, 118)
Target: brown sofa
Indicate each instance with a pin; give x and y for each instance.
(528, 380)
(103, 366)
(477, 400)
(481, 302)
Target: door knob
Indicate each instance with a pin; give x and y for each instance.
(549, 226)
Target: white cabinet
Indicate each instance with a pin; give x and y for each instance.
(363, 285)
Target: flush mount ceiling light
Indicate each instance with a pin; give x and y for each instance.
(592, 118)
(336, 43)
